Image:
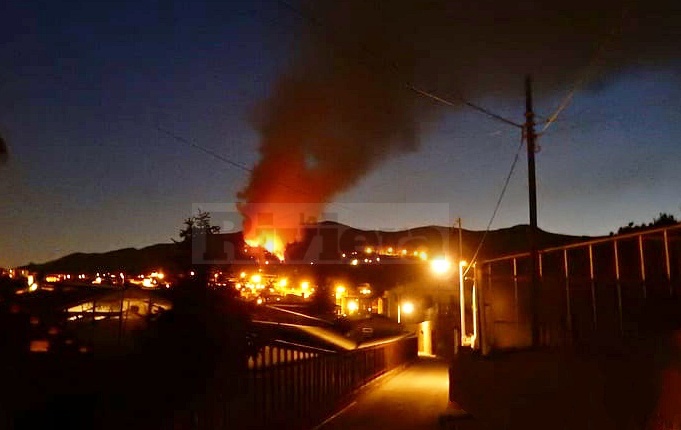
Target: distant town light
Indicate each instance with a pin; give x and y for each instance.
(39, 345)
(353, 306)
(407, 307)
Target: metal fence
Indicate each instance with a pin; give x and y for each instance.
(591, 292)
(293, 386)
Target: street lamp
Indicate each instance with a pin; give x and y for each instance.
(406, 307)
(462, 303)
(340, 294)
(353, 306)
(440, 266)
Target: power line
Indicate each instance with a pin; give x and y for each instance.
(466, 103)
(499, 200)
(595, 60)
(231, 162)
(316, 22)
(220, 157)
(203, 149)
(313, 20)
(319, 24)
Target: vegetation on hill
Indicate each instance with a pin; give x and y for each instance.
(662, 220)
(335, 239)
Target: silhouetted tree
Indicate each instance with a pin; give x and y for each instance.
(195, 231)
(199, 346)
(195, 226)
(665, 219)
(323, 300)
(662, 220)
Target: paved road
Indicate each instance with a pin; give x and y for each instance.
(632, 388)
(411, 399)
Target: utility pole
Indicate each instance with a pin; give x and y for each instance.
(462, 297)
(532, 186)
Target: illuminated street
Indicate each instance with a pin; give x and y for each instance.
(412, 399)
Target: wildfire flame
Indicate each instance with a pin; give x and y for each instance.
(272, 226)
(268, 241)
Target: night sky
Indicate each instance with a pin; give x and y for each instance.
(91, 92)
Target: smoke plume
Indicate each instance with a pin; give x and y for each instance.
(344, 106)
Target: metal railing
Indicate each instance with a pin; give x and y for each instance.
(287, 385)
(590, 292)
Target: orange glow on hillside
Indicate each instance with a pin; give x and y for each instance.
(273, 225)
(268, 241)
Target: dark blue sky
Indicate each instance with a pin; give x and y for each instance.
(84, 86)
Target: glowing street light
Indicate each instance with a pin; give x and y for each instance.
(406, 307)
(339, 290)
(440, 266)
(462, 304)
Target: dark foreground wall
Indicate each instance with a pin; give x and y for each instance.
(633, 386)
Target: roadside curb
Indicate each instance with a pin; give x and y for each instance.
(452, 415)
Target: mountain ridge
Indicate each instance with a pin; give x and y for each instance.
(508, 240)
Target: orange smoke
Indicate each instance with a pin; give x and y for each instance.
(344, 105)
(319, 135)
(280, 205)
